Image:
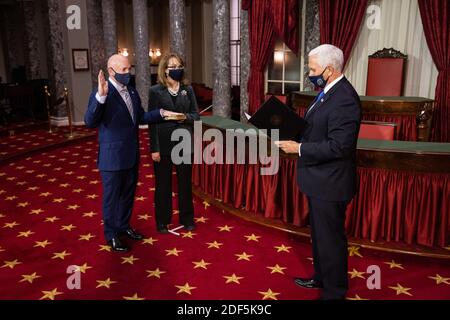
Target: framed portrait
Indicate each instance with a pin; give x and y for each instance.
(80, 59)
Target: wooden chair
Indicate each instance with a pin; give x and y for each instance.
(386, 73)
(377, 130)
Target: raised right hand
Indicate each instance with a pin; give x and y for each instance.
(156, 156)
(102, 84)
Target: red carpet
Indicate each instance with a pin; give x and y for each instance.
(50, 218)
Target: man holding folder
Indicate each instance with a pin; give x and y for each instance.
(326, 168)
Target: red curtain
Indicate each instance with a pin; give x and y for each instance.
(267, 21)
(340, 22)
(393, 206)
(435, 16)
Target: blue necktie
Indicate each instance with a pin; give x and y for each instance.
(317, 99)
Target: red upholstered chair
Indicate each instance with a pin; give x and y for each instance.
(282, 98)
(377, 130)
(385, 74)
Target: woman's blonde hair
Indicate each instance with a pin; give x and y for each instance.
(163, 63)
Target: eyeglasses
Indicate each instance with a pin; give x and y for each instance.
(175, 67)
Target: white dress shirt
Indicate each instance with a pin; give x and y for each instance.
(325, 90)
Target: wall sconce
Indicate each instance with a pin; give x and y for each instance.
(124, 52)
(278, 56)
(154, 55)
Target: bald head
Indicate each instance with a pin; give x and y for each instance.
(118, 64)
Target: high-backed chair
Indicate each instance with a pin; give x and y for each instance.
(385, 74)
(377, 130)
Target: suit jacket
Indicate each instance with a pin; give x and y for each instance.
(160, 134)
(118, 135)
(326, 168)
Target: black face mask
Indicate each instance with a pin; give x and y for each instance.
(176, 74)
(319, 81)
(123, 78)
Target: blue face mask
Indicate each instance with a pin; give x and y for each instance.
(123, 78)
(176, 74)
(319, 81)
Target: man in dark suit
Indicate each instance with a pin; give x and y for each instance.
(116, 109)
(326, 168)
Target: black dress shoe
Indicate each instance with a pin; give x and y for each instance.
(189, 227)
(308, 283)
(117, 245)
(162, 228)
(132, 234)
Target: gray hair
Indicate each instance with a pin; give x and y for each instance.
(328, 55)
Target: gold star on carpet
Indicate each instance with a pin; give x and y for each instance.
(21, 183)
(32, 188)
(50, 294)
(60, 255)
(189, 234)
(356, 274)
(201, 219)
(41, 175)
(30, 277)
(86, 237)
(214, 244)
(25, 234)
(401, 290)
(11, 264)
(253, 237)
(23, 204)
(68, 227)
(269, 294)
(354, 251)
(59, 200)
(186, 288)
(11, 178)
(2, 191)
(104, 247)
(11, 198)
(225, 228)
(69, 173)
(173, 252)
(206, 204)
(149, 241)
(2, 215)
(83, 268)
(94, 182)
(89, 214)
(201, 264)
(42, 244)
(282, 248)
(73, 207)
(233, 278)
(133, 297)
(243, 256)
(439, 279)
(276, 269)
(11, 224)
(105, 283)
(141, 198)
(81, 177)
(356, 297)
(155, 273)
(77, 190)
(45, 194)
(36, 211)
(51, 219)
(51, 180)
(144, 217)
(92, 196)
(393, 265)
(130, 260)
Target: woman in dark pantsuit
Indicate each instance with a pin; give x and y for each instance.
(174, 94)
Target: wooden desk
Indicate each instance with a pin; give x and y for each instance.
(412, 114)
(403, 193)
